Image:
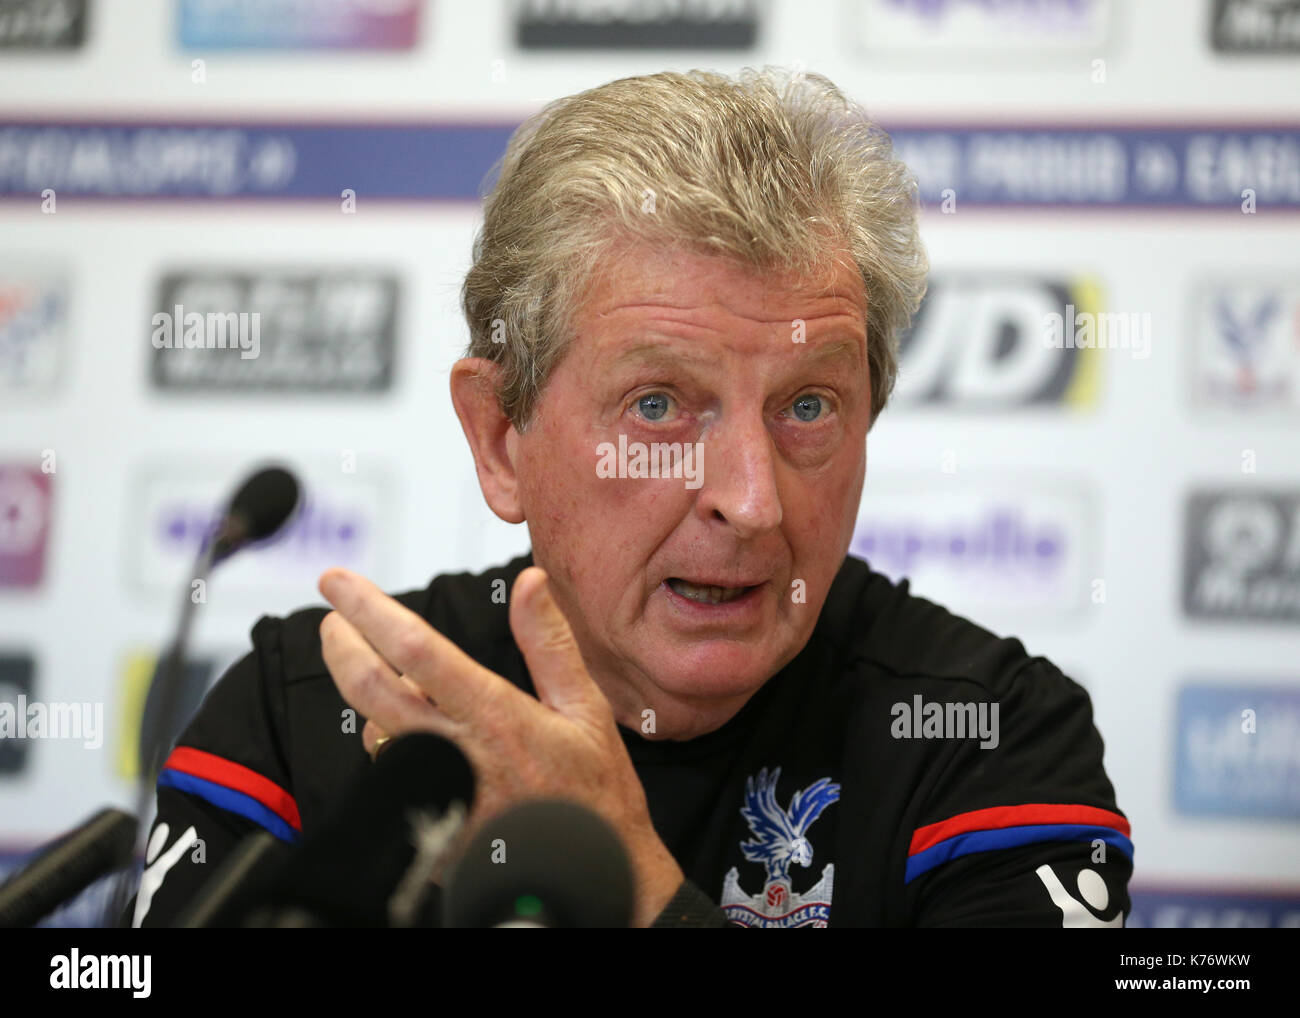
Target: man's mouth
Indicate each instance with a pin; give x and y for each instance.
(706, 594)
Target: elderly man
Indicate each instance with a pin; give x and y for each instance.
(684, 308)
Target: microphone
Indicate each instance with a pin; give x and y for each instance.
(549, 863)
(261, 506)
(67, 867)
(242, 873)
(362, 867)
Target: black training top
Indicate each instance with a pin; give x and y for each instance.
(907, 768)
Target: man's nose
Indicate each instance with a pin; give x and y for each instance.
(739, 476)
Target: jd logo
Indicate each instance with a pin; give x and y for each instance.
(978, 342)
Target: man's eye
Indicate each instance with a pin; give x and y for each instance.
(653, 406)
(808, 408)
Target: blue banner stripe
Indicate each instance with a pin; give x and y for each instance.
(1010, 837)
(1210, 166)
(203, 162)
(228, 799)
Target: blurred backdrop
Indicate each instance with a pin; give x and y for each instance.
(1094, 445)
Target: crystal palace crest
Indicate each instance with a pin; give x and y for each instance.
(780, 840)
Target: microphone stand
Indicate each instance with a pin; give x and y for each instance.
(157, 721)
(259, 510)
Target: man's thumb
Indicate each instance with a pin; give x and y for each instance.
(548, 644)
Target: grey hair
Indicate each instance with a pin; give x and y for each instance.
(773, 169)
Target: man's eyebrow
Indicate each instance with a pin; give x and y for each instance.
(830, 351)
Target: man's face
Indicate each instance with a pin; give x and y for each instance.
(671, 347)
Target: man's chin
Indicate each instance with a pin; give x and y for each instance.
(715, 670)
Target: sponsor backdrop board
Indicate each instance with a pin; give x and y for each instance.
(1094, 444)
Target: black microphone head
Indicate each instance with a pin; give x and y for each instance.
(264, 502)
(66, 867)
(544, 863)
(345, 872)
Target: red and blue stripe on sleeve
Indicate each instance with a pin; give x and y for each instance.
(231, 786)
(985, 830)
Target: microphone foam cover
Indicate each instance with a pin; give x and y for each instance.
(265, 501)
(345, 871)
(551, 858)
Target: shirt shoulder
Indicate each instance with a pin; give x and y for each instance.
(874, 620)
(273, 745)
(993, 762)
(275, 730)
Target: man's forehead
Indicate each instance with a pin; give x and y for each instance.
(672, 296)
(644, 276)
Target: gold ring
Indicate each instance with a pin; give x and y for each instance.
(380, 743)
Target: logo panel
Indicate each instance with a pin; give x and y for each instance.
(33, 322)
(16, 681)
(632, 24)
(1255, 26)
(1246, 346)
(315, 332)
(42, 24)
(343, 520)
(283, 24)
(991, 551)
(1032, 30)
(1241, 555)
(981, 343)
(1238, 751)
(24, 524)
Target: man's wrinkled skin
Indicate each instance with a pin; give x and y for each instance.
(672, 347)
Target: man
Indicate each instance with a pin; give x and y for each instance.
(684, 309)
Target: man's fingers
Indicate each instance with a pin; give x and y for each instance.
(370, 736)
(548, 645)
(455, 681)
(374, 738)
(371, 687)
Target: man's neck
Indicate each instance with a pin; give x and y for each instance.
(671, 718)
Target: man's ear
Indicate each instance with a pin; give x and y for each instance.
(492, 438)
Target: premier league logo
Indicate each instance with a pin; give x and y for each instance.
(779, 841)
